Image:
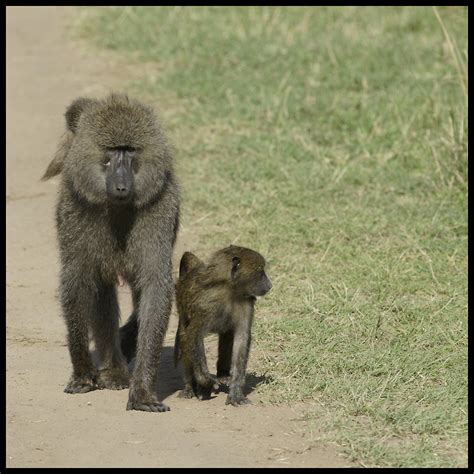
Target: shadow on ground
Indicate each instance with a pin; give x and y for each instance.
(170, 378)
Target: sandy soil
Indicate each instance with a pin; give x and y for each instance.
(46, 427)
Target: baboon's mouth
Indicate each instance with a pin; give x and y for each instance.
(121, 199)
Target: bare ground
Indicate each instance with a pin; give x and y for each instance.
(46, 427)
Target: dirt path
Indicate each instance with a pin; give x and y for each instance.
(46, 427)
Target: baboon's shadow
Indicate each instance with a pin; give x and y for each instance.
(170, 378)
(252, 380)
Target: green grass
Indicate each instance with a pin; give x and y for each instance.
(333, 141)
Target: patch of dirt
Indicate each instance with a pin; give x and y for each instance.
(45, 426)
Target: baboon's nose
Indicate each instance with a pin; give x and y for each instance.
(121, 189)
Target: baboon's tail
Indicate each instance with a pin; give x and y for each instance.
(128, 337)
(188, 262)
(177, 348)
(57, 163)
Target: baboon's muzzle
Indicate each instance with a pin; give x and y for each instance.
(119, 178)
(264, 286)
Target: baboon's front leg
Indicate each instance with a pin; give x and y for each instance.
(240, 355)
(154, 311)
(77, 300)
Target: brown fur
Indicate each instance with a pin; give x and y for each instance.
(218, 297)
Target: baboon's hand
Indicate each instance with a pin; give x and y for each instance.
(84, 384)
(236, 398)
(140, 399)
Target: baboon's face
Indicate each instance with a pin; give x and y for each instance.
(259, 284)
(248, 273)
(118, 154)
(119, 169)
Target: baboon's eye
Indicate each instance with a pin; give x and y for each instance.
(106, 159)
(130, 151)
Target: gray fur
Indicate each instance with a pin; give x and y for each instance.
(100, 240)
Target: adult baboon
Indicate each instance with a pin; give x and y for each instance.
(117, 215)
(218, 298)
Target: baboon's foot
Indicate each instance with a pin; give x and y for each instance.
(236, 398)
(204, 390)
(142, 400)
(224, 379)
(204, 393)
(211, 382)
(187, 392)
(83, 384)
(115, 379)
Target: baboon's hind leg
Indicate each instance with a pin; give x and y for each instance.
(129, 331)
(113, 370)
(189, 383)
(226, 342)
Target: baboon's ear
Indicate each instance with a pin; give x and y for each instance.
(75, 110)
(187, 263)
(235, 266)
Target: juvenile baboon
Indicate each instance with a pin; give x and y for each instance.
(218, 298)
(117, 216)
